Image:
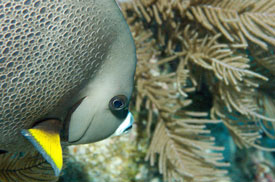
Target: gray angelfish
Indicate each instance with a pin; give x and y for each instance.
(66, 71)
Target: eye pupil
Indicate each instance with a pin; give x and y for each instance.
(117, 103)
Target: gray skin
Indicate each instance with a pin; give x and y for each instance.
(58, 54)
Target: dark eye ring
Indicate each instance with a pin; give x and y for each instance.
(119, 106)
(118, 102)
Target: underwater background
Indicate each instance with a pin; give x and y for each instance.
(204, 98)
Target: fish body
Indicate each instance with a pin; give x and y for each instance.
(67, 60)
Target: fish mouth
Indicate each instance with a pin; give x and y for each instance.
(125, 126)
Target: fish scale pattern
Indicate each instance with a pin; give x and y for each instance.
(48, 48)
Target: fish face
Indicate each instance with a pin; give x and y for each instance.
(90, 124)
(104, 110)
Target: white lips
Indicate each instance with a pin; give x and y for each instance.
(124, 125)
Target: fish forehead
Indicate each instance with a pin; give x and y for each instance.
(48, 49)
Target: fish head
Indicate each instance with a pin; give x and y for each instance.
(101, 114)
(103, 110)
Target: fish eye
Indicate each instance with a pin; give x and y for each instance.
(119, 106)
(118, 102)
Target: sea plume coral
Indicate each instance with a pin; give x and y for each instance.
(185, 47)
